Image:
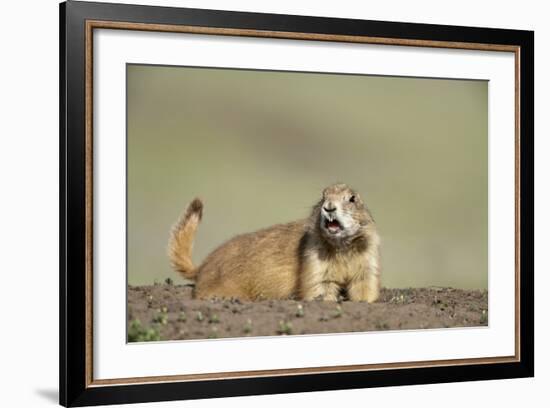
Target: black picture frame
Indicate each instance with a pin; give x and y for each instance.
(75, 387)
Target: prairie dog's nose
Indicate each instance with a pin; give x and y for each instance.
(329, 207)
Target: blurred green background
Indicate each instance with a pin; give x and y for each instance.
(259, 146)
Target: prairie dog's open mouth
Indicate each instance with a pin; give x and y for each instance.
(333, 226)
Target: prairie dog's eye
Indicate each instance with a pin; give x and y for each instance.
(352, 199)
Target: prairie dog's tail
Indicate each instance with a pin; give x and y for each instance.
(180, 243)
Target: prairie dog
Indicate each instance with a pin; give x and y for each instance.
(336, 249)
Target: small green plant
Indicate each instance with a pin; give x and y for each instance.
(161, 318)
(338, 312)
(247, 326)
(169, 281)
(299, 310)
(213, 333)
(200, 317)
(484, 319)
(182, 317)
(213, 319)
(137, 333)
(285, 327)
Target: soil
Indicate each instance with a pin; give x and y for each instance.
(168, 312)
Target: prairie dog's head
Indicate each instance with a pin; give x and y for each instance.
(341, 213)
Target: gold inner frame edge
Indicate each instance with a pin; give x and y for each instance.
(92, 24)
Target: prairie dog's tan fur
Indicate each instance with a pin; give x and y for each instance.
(336, 249)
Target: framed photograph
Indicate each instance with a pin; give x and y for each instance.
(257, 203)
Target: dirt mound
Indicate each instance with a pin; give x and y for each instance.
(168, 312)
